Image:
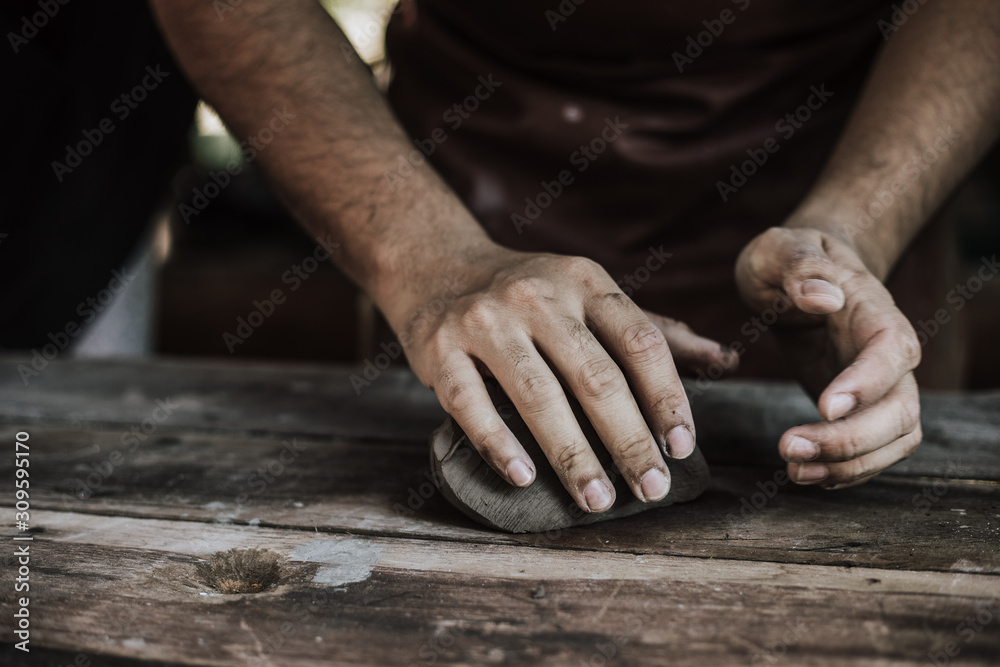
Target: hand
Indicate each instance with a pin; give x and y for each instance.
(547, 325)
(852, 348)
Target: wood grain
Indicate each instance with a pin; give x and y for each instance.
(738, 422)
(128, 588)
(126, 501)
(347, 486)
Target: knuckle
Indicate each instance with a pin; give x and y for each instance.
(806, 262)
(774, 234)
(671, 401)
(490, 443)
(588, 273)
(633, 449)
(455, 397)
(571, 460)
(909, 415)
(597, 378)
(536, 391)
(438, 346)
(643, 340)
(852, 447)
(858, 468)
(848, 447)
(479, 315)
(913, 441)
(909, 348)
(581, 267)
(523, 290)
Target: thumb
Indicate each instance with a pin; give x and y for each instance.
(811, 282)
(796, 261)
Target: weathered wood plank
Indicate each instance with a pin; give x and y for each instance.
(129, 588)
(738, 422)
(222, 396)
(345, 486)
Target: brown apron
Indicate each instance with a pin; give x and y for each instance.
(656, 138)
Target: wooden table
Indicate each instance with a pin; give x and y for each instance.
(140, 471)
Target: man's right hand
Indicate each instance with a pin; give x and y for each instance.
(541, 324)
(544, 325)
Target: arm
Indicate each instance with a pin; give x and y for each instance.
(528, 319)
(935, 88)
(328, 165)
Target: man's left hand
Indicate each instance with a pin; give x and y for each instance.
(852, 348)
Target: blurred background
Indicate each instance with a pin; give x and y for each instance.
(196, 275)
(237, 249)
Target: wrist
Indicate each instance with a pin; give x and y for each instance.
(853, 227)
(407, 283)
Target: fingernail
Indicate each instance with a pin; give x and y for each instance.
(840, 405)
(817, 287)
(680, 442)
(519, 473)
(598, 496)
(800, 449)
(812, 472)
(654, 485)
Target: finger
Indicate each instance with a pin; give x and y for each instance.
(890, 351)
(463, 395)
(692, 352)
(802, 269)
(894, 417)
(642, 351)
(539, 398)
(856, 471)
(599, 385)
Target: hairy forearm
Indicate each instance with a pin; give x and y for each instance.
(329, 163)
(928, 113)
